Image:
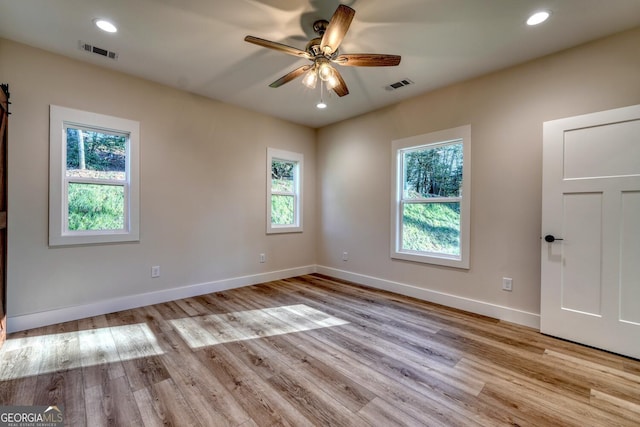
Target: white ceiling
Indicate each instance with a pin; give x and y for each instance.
(197, 45)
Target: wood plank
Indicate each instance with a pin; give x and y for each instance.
(381, 412)
(315, 404)
(60, 376)
(402, 333)
(19, 375)
(99, 355)
(98, 408)
(206, 395)
(271, 357)
(615, 405)
(62, 388)
(403, 398)
(263, 403)
(162, 404)
(410, 376)
(603, 378)
(111, 404)
(530, 367)
(138, 351)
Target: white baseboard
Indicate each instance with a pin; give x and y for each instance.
(479, 307)
(66, 314)
(50, 317)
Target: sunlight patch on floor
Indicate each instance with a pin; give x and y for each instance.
(23, 357)
(215, 329)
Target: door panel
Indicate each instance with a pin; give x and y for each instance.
(590, 276)
(629, 262)
(581, 285)
(602, 151)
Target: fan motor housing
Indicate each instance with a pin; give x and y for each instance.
(313, 47)
(320, 26)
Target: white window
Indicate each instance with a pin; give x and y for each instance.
(430, 189)
(93, 178)
(284, 191)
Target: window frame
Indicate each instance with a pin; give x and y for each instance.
(60, 119)
(291, 157)
(434, 139)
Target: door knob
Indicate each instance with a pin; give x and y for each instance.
(550, 238)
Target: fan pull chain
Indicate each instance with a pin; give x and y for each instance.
(321, 105)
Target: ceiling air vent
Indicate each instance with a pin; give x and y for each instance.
(98, 50)
(398, 85)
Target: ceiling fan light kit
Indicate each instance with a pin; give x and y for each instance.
(322, 51)
(310, 79)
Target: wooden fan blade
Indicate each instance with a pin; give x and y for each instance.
(292, 75)
(277, 46)
(341, 88)
(367, 60)
(337, 28)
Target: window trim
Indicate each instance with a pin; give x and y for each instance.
(443, 137)
(61, 118)
(286, 156)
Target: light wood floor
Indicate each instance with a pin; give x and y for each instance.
(313, 351)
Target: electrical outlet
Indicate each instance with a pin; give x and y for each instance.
(507, 284)
(263, 258)
(155, 271)
(345, 256)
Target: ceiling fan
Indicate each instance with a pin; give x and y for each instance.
(322, 51)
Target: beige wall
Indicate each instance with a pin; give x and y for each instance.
(202, 187)
(202, 179)
(506, 111)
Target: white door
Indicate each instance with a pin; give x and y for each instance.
(590, 290)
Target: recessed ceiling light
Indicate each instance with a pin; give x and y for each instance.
(105, 25)
(538, 17)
